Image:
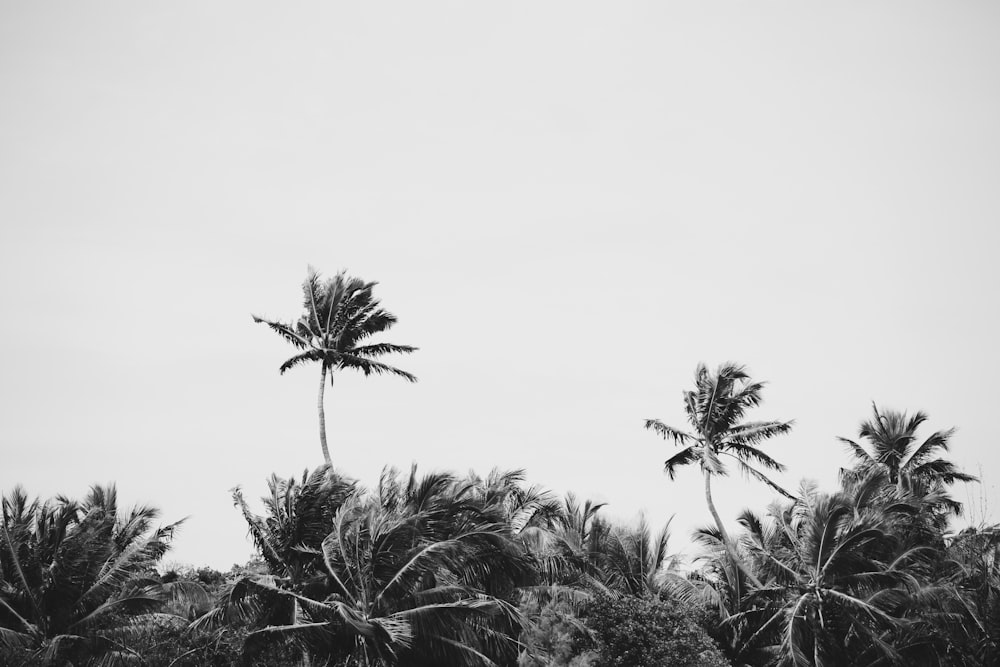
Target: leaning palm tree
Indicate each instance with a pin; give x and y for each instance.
(715, 409)
(340, 315)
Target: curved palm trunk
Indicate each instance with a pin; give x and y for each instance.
(727, 543)
(322, 416)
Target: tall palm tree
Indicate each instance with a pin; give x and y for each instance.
(715, 409)
(893, 447)
(340, 314)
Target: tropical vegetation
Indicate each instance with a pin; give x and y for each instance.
(437, 568)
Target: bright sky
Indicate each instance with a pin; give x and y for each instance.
(568, 205)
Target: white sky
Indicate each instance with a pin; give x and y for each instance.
(567, 204)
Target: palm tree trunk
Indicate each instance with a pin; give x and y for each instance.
(322, 416)
(727, 543)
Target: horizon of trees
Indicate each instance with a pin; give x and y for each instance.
(442, 568)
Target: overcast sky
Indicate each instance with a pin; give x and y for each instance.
(568, 205)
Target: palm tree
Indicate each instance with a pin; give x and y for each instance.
(420, 572)
(299, 516)
(571, 549)
(340, 314)
(74, 576)
(846, 587)
(977, 551)
(715, 409)
(635, 560)
(832, 566)
(893, 447)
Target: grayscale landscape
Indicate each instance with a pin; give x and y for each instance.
(550, 334)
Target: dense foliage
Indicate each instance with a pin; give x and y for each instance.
(75, 579)
(638, 631)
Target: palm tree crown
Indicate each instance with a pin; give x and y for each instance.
(893, 447)
(715, 409)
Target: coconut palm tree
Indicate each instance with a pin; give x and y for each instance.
(74, 576)
(892, 446)
(853, 549)
(715, 409)
(842, 584)
(830, 563)
(420, 572)
(299, 515)
(340, 315)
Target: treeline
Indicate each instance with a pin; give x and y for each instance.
(439, 568)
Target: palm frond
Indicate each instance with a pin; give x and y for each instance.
(752, 433)
(137, 556)
(669, 432)
(381, 349)
(16, 640)
(946, 471)
(298, 359)
(938, 441)
(685, 456)
(15, 563)
(283, 330)
(750, 453)
(750, 471)
(369, 366)
(137, 604)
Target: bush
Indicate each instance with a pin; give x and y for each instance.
(650, 632)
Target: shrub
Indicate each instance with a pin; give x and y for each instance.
(649, 632)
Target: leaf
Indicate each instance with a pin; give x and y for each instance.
(669, 432)
(685, 456)
(759, 476)
(14, 639)
(283, 330)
